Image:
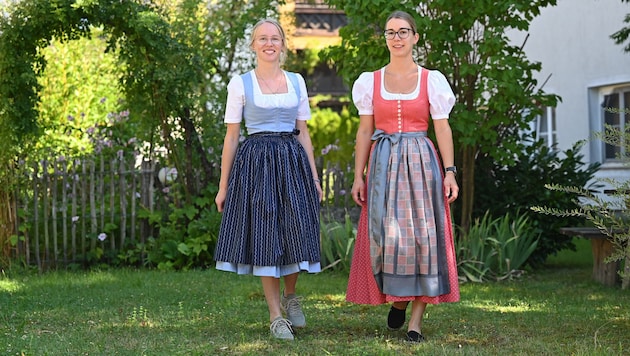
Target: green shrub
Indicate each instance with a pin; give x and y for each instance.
(500, 190)
(187, 235)
(496, 249)
(333, 135)
(337, 244)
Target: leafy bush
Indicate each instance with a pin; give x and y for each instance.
(496, 249)
(500, 190)
(333, 135)
(337, 244)
(186, 236)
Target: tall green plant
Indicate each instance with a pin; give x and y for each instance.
(79, 89)
(496, 248)
(185, 238)
(337, 244)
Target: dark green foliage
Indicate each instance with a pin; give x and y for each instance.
(623, 35)
(508, 189)
(185, 238)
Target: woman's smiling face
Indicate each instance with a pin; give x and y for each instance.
(398, 45)
(268, 42)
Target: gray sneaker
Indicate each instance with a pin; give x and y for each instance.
(281, 328)
(291, 305)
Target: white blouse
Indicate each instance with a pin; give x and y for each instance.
(441, 97)
(236, 98)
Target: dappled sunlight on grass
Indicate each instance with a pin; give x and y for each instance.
(249, 346)
(10, 285)
(510, 306)
(99, 277)
(460, 340)
(324, 302)
(595, 297)
(329, 297)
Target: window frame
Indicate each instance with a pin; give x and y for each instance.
(550, 134)
(610, 154)
(596, 96)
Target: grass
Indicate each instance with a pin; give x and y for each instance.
(557, 310)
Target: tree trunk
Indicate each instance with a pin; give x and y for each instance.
(193, 146)
(467, 189)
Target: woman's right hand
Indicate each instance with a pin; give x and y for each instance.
(220, 199)
(358, 191)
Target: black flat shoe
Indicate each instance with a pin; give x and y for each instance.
(414, 336)
(396, 318)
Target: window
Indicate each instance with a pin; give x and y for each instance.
(546, 126)
(616, 113)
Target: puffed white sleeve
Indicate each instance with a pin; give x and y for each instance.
(304, 109)
(235, 101)
(363, 92)
(441, 95)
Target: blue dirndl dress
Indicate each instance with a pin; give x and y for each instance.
(270, 223)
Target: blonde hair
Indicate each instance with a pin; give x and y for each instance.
(275, 23)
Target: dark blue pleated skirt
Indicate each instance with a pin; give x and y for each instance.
(270, 223)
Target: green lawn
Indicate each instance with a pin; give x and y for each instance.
(582, 257)
(557, 310)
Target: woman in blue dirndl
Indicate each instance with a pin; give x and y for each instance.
(269, 191)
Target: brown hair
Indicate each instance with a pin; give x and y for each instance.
(403, 16)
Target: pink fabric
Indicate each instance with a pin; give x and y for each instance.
(387, 110)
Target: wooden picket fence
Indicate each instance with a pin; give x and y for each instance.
(71, 212)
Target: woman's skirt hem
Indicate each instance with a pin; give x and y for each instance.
(269, 271)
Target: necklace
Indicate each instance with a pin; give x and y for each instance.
(278, 87)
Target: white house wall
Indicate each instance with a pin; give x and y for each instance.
(572, 41)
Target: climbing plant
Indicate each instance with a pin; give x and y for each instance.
(176, 58)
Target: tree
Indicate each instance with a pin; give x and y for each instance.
(623, 35)
(497, 95)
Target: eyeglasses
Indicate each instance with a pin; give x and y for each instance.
(274, 40)
(402, 33)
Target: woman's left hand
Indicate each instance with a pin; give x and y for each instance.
(320, 194)
(451, 190)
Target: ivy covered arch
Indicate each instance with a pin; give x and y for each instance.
(157, 67)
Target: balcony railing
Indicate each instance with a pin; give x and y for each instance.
(317, 18)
